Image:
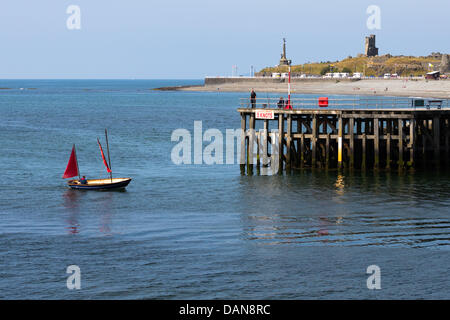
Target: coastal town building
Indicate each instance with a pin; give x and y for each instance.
(434, 75)
(436, 55)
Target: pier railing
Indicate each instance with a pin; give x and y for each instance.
(349, 103)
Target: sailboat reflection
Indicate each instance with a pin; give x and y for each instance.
(104, 209)
(71, 203)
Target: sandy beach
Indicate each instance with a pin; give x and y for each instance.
(383, 87)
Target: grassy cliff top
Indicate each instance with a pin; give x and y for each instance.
(370, 66)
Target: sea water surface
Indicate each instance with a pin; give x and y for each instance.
(197, 231)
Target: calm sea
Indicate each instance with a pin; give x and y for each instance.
(196, 231)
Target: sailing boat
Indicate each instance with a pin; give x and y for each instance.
(72, 170)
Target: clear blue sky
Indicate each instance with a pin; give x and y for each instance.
(193, 38)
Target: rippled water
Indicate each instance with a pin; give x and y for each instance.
(197, 231)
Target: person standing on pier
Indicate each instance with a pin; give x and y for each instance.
(253, 98)
(280, 103)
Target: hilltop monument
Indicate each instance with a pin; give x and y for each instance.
(284, 61)
(370, 49)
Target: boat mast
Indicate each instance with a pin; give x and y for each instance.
(109, 159)
(76, 158)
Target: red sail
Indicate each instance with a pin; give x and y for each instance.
(103, 156)
(72, 167)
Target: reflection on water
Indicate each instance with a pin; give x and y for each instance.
(71, 203)
(340, 184)
(105, 208)
(76, 202)
(352, 209)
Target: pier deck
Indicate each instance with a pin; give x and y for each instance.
(347, 135)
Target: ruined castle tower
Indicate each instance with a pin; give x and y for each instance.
(371, 50)
(445, 63)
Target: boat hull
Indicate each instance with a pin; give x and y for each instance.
(100, 184)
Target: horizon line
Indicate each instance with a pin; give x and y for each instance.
(102, 78)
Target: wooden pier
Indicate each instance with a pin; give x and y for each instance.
(395, 136)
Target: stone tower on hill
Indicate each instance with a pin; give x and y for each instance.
(445, 63)
(371, 50)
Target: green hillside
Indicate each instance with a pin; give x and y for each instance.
(370, 66)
